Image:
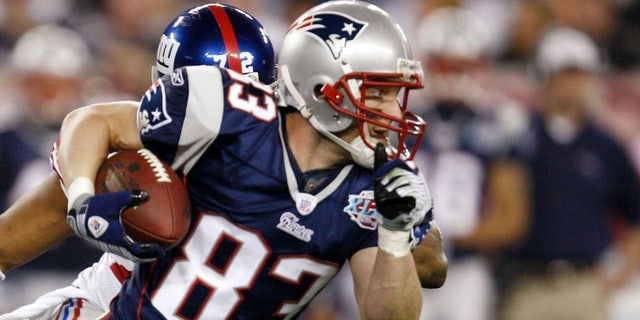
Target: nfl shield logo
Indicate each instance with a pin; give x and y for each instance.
(305, 203)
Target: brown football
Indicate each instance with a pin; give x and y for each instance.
(165, 217)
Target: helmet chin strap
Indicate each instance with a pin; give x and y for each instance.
(364, 156)
(360, 152)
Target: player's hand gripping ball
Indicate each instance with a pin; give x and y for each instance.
(164, 218)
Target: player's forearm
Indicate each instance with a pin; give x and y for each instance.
(394, 291)
(19, 247)
(33, 224)
(431, 262)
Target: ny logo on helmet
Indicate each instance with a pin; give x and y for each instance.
(334, 29)
(166, 54)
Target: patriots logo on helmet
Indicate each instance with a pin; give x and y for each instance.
(334, 29)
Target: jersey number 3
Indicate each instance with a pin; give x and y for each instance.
(252, 97)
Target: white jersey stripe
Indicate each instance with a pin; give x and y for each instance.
(203, 116)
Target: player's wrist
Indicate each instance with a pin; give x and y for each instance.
(395, 242)
(80, 186)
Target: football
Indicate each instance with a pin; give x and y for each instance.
(165, 217)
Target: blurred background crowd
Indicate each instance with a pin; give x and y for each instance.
(532, 148)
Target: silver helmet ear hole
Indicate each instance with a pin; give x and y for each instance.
(317, 92)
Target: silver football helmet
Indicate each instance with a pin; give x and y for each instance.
(331, 55)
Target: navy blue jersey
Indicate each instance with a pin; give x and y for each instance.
(258, 247)
(577, 187)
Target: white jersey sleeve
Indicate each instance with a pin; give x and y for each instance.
(102, 281)
(182, 112)
(96, 286)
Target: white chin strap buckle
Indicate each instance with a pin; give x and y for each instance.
(361, 153)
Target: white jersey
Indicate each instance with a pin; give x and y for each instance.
(86, 298)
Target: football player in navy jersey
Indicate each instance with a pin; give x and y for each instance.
(206, 34)
(282, 196)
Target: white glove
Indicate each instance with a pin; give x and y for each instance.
(403, 200)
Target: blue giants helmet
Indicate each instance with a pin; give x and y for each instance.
(218, 35)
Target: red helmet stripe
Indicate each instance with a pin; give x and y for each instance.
(228, 37)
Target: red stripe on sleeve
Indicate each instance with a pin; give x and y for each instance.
(121, 273)
(76, 310)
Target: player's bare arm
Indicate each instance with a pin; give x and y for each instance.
(431, 261)
(88, 134)
(33, 224)
(388, 289)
